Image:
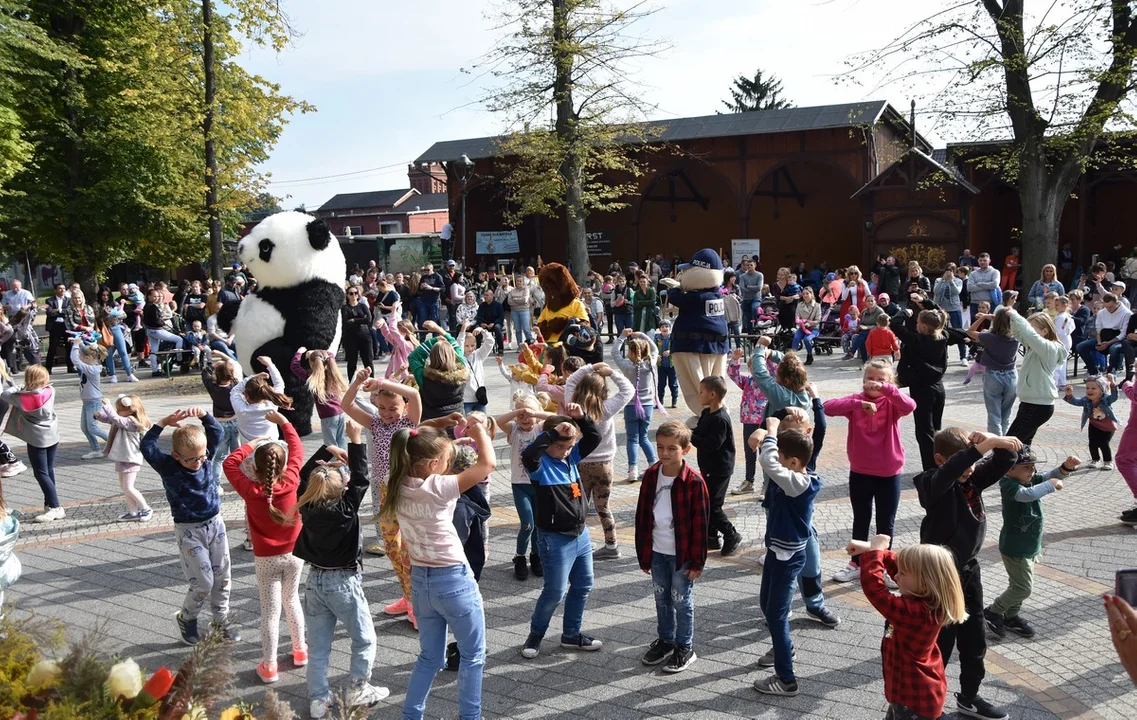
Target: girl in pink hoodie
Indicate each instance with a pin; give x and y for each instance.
(876, 453)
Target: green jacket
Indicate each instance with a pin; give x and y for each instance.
(1036, 377)
(1021, 536)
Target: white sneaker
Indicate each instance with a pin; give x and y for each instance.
(368, 695)
(55, 513)
(633, 474)
(762, 559)
(963, 362)
(1107, 466)
(847, 573)
(93, 455)
(131, 378)
(248, 544)
(1096, 464)
(890, 583)
(113, 379)
(13, 469)
(318, 709)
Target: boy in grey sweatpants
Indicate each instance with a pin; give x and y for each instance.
(192, 490)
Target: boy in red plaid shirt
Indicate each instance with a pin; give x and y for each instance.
(671, 544)
(915, 684)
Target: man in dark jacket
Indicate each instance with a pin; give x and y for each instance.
(951, 495)
(56, 307)
(491, 317)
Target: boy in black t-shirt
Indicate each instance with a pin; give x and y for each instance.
(714, 439)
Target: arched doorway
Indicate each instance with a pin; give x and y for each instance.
(684, 209)
(802, 212)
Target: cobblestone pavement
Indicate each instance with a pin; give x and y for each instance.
(88, 568)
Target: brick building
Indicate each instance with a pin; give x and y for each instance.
(384, 212)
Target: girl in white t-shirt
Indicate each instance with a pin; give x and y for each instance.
(522, 425)
(443, 588)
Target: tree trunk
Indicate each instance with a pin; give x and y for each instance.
(1042, 204)
(569, 139)
(211, 209)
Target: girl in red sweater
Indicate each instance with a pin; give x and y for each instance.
(930, 597)
(266, 473)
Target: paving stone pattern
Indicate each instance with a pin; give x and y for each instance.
(88, 568)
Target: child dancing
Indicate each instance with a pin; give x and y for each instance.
(127, 418)
(1097, 410)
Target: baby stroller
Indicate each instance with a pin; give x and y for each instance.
(828, 331)
(766, 323)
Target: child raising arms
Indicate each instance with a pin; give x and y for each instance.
(127, 418)
(522, 426)
(1097, 410)
(443, 585)
(915, 684)
(266, 473)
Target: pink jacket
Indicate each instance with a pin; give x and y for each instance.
(873, 444)
(400, 346)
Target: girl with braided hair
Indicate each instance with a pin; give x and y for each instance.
(266, 474)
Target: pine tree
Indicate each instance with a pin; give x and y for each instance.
(758, 93)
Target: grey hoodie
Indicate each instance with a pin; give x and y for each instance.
(32, 418)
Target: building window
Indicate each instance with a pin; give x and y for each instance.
(390, 227)
(352, 230)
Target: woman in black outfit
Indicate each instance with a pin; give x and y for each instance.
(356, 332)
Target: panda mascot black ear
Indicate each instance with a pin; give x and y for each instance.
(318, 234)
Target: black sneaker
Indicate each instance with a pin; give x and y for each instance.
(581, 642)
(977, 707)
(730, 543)
(824, 615)
(714, 542)
(532, 647)
(188, 629)
(453, 657)
(1130, 514)
(996, 623)
(1018, 625)
(535, 565)
(657, 652)
(520, 569)
(680, 660)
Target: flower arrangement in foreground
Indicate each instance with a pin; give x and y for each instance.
(86, 682)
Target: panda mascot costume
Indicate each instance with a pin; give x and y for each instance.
(300, 271)
(699, 343)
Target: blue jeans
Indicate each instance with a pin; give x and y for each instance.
(668, 379)
(89, 425)
(522, 326)
(222, 347)
(568, 568)
(333, 430)
(426, 311)
(748, 313)
(230, 441)
(447, 598)
(524, 499)
(120, 348)
(43, 467)
(999, 393)
(1088, 350)
(674, 603)
(623, 322)
(734, 329)
(774, 596)
(637, 435)
(157, 337)
(955, 320)
(469, 407)
(809, 582)
(807, 338)
(858, 347)
(332, 595)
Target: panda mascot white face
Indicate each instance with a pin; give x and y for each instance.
(300, 271)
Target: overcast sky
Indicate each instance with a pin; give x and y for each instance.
(386, 78)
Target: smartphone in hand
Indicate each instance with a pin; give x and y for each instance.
(1126, 586)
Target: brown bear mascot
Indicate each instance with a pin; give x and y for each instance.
(562, 302)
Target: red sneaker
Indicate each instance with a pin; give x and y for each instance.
(267, 673)
(411, 616)
(399, 607)
(300, 656)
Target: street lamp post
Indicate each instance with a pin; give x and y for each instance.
(465, 168)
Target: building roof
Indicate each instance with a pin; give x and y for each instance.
(759, 122)
(374, 199)
(950, 171)
(432, 202)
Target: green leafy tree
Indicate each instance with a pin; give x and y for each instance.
(1049, 82)
(112, 177)
(571, 57)
(757, 93)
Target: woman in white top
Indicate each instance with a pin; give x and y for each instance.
(476, 363)
(445, 594)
